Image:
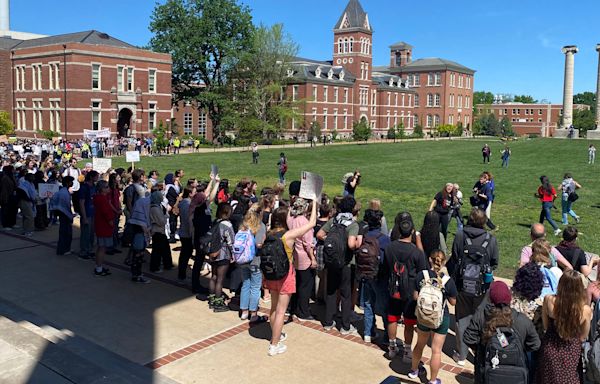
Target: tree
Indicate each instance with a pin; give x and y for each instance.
(361, 130)
(587, 98)
(584, 120)
(400, 132)
(418, 132)
(206, 39)
(527, 99)
(6, 125)
(506, 127)
(482, 97)
(446, 130)
(260, 79)
(160, 140)
(391, 133)
(487, 125)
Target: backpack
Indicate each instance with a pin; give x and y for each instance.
(473, 265)
(211, 242)
(244, 247)
(274, 261)
(591, 349)
(550, 282)
(431, 302)
(335, 247)
(367, 257)
(399, 285)
(505, 360)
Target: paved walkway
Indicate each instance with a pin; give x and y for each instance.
(60, 324)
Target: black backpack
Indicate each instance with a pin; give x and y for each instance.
(505, 360)
(211, 242)
(399, 285)
(367, 257)
(274, 261)
(335, 247)
(472, 266)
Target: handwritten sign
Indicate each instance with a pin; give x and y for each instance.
(214, 169)
(18, 148)
(46, 191)
(132, 156)
(102, 165)
(311, 186)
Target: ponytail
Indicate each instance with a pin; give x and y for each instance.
(438, 260)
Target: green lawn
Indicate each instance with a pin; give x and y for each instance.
(406, 176)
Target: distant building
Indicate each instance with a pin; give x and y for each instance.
(529, 119)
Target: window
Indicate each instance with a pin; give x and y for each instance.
(188, 121)
(95, 76)
(429, 121)
(388, 119)
(54, 116)
(451, 100)
(346, 45)
(325, 89)
(21, 78)
(152, 80)
(21, 122)
(314, 114)
(396, 99)
(438, 79)
(539, 120)
(362, 70)
(345, 95)
(417, 80)
(351, 45)
(314, 93)
(37, 116)
(416, 117)
(335, 94)
(129, 79)
(460, 101)
(340, 45)
(468, 82)
(294, 93)
(36, 77)
(335, 119)
(389, 98)
(325, 118)
(151, 116)
(460, 81)
(96, 116)
(345, 119)
(202, 124)
(451, 119)
(366, 70)
(430, 79)
(429, 100)
(120, 78)
(436, 120)
(539, 111)
(437, 100)
(416, 100)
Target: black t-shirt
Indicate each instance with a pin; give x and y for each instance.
(349, 188)
(449, 288)
(441, 207)
(575, 256)
(406, 253)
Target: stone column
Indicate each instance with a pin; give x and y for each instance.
(598, 91)
(569, 51)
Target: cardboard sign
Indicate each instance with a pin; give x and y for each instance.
(214, 170)
(132, 156)
(3, 139)
(46, 191)
(311, 186)
(101, 165)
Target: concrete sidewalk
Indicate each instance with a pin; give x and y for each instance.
(58, 320)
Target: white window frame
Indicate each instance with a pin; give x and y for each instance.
(152, 72)
(202, 123)
(120, 84)
(325, 93)
(188, 123)
(130, 79)
(99, 73)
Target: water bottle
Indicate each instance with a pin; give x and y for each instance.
(488, 275)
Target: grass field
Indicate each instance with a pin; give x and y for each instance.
(406, 176)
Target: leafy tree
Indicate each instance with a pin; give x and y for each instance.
(587, 98)
(459, 129)
(6, 125)
(314, 130)
(487, 125)
(584, 120)
(527, 99)
(446, 130)
(482, 97)
(506, 128)
(391, 133)
(361, 130)
(160, 139)
(48, 135)
(206, 39)
(418, 131)
(400, 131)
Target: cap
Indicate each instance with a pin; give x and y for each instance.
(500, 293)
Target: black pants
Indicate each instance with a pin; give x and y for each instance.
(305, 284)
(172, 225)
(187, 250)
(9, 212)
(444, 221)
(65, 234)
(137, 258)
(160, 252)
(338, 279)
(196, 269)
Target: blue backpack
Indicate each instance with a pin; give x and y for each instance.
(244, 247)
(550, 282)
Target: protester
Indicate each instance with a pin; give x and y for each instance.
(539, 232)
(352, 183)
(251, 274)
(442, 203)
(569, 196)
(591, 154)
(161, 252)
(185, 233)
(547, 194)
(375, 205)
(8, 199)
(505, 155)
(569, 248)
(486, 152)
(255, 153)
(221, 258)
(26, 195)
(282, 166)
(103, 225)
(431, 237)
(60, 204)
(483, 196)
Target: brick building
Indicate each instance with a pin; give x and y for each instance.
(529, 119)
(444, 88)
(84, 80)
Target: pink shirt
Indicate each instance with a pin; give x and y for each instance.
(301, 244)
(526, 253)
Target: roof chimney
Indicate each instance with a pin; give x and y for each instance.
(4, 16)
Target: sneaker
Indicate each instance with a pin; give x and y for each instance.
(436, 381)
(277, 349)
(140, 279)
(211, 301)
(244, 316)
(219, 305)
(557, 232)
(349, 331)
(407, 355)
(367, 339)
(160, 270)
(392, 350)
(282, 337)
(577, 219)
(456, 358)
(417, 372)
(28, 234)
(328, 328)
(103, 272)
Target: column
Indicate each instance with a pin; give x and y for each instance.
(569, 51)
(598, 91)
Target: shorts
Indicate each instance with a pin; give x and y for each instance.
(106, 242)
(285, 285)
(402, 309)
(441, 330)
(219, 263)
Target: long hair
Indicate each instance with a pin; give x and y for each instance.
(499, 316)
(279, 220)
(438, 260)
(430, 232)
(252, 220)
(546, 186)
(540, 252)
(568, 306)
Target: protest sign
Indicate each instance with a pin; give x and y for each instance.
(46, 191)
(101, 165)
(214, 170)
(132, 156)
(311, 186)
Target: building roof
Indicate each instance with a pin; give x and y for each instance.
(6, 43)
(427, 64)
(303, 60)
(401, 45)
(320, 72)
(353, 17)
(86, 37)
(390, 82)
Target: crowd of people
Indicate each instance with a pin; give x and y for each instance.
(291, 251)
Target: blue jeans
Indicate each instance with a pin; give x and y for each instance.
(374, 300)
(281, 177)
(86, 239)
(567, 210)
(505, 162)
(251, 282)
(547, 214)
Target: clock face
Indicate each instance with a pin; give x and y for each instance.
(339, 61)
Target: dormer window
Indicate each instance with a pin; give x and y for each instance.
(342, 74)
(391, 83)
(318, 72)
(290, 72)
(330, 74)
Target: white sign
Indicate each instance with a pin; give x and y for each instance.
(46, 191)
(311, 186)
(132, 156)
(17, 148)
(101, 133)
(214, 170)
(101, 165)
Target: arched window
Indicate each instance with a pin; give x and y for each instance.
(340, 45)
(436, 121)
(368, 47)
(351, 44)
(429, 121)
(346, 45)
(437, 99)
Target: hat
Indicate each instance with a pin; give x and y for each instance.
(500, 293)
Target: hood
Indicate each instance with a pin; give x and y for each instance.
(472, 232)
(169, 178)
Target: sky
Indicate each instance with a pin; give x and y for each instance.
(514, 45)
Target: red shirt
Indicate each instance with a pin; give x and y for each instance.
(545, 197)
(104, 216)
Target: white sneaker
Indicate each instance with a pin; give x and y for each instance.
(456, 358)
(282, 337)
(367, 339)
(407, 356)
(350, 331)
(557, 232)
(277, 349)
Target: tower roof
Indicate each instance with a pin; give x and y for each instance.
(401, 45)
(353, 17)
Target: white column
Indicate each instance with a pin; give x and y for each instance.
(4, 15)
(569, 51)
(598, 91)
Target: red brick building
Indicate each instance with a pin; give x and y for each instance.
(529, 119)
(444, 88)
(191, 120)
(84, 80)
